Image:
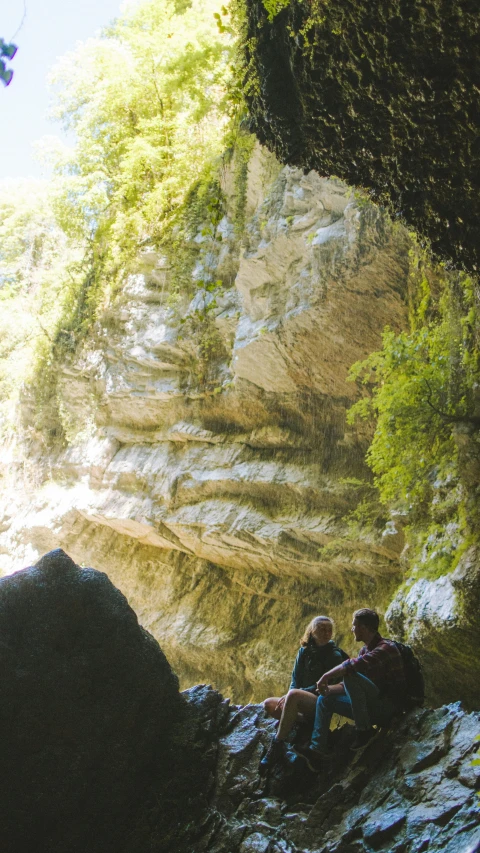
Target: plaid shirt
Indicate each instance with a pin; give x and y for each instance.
(381, 662)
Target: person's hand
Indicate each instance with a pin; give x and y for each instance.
(322, 686)
(280, 704)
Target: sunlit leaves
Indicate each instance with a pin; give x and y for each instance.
(423, 382)
(7, 51)
(147, 104)
(37, 267)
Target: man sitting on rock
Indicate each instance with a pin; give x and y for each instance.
(370, 693)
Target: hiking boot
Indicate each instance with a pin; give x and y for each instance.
(301, 735)
(316, 761)
(363, 737)
(274, 754)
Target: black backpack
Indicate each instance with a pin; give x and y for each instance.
(415, 682)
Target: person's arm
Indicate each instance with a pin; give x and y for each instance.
(334, 689)
(297, 669)
(328, 676)
(368, 662)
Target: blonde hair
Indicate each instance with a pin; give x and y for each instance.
(312, 626)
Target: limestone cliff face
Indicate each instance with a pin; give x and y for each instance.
(229, 514)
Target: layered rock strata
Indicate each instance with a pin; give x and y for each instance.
(229, 514)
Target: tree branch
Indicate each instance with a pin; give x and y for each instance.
(468, 419)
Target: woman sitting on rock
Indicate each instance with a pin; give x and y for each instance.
(316, 656)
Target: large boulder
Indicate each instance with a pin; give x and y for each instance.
(90, 715)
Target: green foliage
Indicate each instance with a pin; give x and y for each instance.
(273, 7)
(205, 212)
(154, 115)
(369, 516)
(7, 51)
(150, 103)
(243, 146)
(422, 384)
(38, 274)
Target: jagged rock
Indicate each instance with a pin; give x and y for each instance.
(406, 792)
(103, 754)
(440, 617)
(92, 745)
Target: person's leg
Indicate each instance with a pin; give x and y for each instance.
(368, 705)
(298, 702)
(270, 707)
(363, 695)
(326, 707)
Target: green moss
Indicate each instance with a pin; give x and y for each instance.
(436, 551)
(369, 516)
(243, 149)
(204, 202)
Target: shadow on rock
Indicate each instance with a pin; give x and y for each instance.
(97, 751)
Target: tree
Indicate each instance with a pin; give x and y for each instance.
(423, 385)
(7, 51)
(147, 103)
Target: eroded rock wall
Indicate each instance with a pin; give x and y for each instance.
(229, 514)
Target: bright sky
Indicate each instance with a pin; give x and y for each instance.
(50, 29)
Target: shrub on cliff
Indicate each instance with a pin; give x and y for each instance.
(384, 95)
(424, 385)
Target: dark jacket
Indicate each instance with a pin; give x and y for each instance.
(312, 662)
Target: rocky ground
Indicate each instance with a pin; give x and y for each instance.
(412, 790)
(102, 754)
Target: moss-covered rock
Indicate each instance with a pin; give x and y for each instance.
(440, 618)
(382, 94)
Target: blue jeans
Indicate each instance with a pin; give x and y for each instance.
(362, 703)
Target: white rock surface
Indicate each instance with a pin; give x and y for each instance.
(241, 486)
